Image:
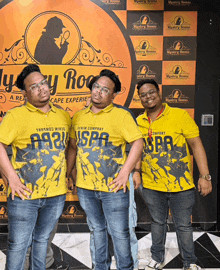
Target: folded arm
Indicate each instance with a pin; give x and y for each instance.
(134, 155)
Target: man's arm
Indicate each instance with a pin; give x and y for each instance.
(137, 174)
(133, 157)
(71, 160)
(204, 186)
(10, 174)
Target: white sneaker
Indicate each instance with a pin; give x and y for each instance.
(192, 267)
(154, 265)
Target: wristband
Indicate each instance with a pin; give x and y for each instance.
(137, 170)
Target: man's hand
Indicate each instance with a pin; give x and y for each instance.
(136, 180)
(70, 183)
(17, 187)
(120, 181)
(204, 186)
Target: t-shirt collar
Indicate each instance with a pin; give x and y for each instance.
(105, 110)
(32, 108)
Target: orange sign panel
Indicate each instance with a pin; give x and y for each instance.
(145, 4)
(179, 73)
(148, 47)
(181, 23)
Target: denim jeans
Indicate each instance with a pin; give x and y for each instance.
(30, 222)
(50, 254)
(180, 205)
(132, 225)
(108, 211)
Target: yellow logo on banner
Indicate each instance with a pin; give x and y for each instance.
(148, 47)
(180, 23)
(182, 73)
(177, 97)
(178, 48)
(145, 4)
(145, 23)
(145, 73)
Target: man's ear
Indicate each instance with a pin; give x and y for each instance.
(24, 93)
(114, 95)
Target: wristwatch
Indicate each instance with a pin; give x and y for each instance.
(206, 177)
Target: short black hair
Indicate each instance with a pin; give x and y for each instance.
(111, 75)
(93, 80)
(150, 81)
(24, 73)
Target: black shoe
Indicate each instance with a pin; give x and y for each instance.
(59, 265)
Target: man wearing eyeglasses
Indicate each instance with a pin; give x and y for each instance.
(98, 144)
(166, 172)
(38, 133)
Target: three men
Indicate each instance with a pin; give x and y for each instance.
(98, 143)
(166, 172)
(38, 133)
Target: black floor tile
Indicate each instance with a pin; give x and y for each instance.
(78, 228)
(61, 255)
(206, 252)
(3, 241)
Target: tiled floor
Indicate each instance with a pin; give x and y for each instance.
(71, 244)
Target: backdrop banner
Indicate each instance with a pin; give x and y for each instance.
(72, 41)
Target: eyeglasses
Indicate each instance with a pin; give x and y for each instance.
(36, 87)
(149, 93)
(98, 88)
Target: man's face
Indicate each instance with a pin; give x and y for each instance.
(103, 93)
(37, 90)
(150, 97)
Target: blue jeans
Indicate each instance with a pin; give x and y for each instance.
(132, 225)
(108, 211)
(180, 205)
(30, 222)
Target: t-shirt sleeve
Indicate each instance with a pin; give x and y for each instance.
(189, 127)
(8, 129)
(129, 128)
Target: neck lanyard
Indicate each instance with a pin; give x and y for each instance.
(149, 139)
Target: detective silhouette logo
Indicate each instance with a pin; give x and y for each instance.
(179, 24)
(177, 73)
(144, 48)
(144, 23)
(144, 72)
(177, 97)
(178, 48)
(52, 37)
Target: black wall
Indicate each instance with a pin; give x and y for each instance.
(207, 102)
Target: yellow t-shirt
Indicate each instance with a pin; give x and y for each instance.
(166, 164)
(38, 142)
(101, 143)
